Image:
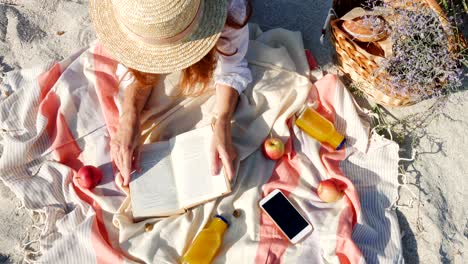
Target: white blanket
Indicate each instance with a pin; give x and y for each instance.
(62, 116)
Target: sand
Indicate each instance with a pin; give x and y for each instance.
(433, 204)
(433, 216)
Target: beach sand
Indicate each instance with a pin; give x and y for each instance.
(432, 207)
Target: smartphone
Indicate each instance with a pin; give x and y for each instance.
(286, 217)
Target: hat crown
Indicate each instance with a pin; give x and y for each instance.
(158, 19)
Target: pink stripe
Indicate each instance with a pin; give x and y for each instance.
(105, 253)
(62, 142)
(67, 151)
(106, 87)
(48, 79)
(273, 244)
(346, 250)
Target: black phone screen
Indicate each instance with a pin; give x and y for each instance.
(285, 215)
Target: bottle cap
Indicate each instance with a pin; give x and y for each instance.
(337, 140)
(219, 223)
(341, 144)
(223, 219)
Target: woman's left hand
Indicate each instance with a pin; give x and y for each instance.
(222, 150)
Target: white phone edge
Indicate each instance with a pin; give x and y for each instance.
(303, 232)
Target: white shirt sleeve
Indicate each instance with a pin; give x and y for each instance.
(232, 70)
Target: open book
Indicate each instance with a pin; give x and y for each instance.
(176, 176)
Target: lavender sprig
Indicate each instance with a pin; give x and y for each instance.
(421, 64)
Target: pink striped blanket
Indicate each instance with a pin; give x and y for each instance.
(61, 117)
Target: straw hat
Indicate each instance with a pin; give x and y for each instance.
(158, 36)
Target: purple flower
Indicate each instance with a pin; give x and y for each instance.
(421, 64)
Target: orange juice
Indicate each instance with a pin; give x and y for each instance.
(318, 127)
(207, 243)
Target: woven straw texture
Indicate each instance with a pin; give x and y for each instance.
(130, 31)
(361, 67)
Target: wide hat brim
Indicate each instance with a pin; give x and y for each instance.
(151, 58)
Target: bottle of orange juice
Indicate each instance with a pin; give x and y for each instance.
(318, 127)
(207, 243)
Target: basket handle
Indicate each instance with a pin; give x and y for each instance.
(432, 4)
(331, 13)
(445, 23)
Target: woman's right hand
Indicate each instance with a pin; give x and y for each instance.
(125, 146)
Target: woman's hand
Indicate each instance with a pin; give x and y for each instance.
(125, 146)
(222, 150)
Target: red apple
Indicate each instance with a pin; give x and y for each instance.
(328, 191)
(273, 148)
(88, 177)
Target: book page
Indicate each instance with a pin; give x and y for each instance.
(153, 190)
(190, 158)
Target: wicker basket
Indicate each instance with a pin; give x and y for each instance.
(360, 67)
